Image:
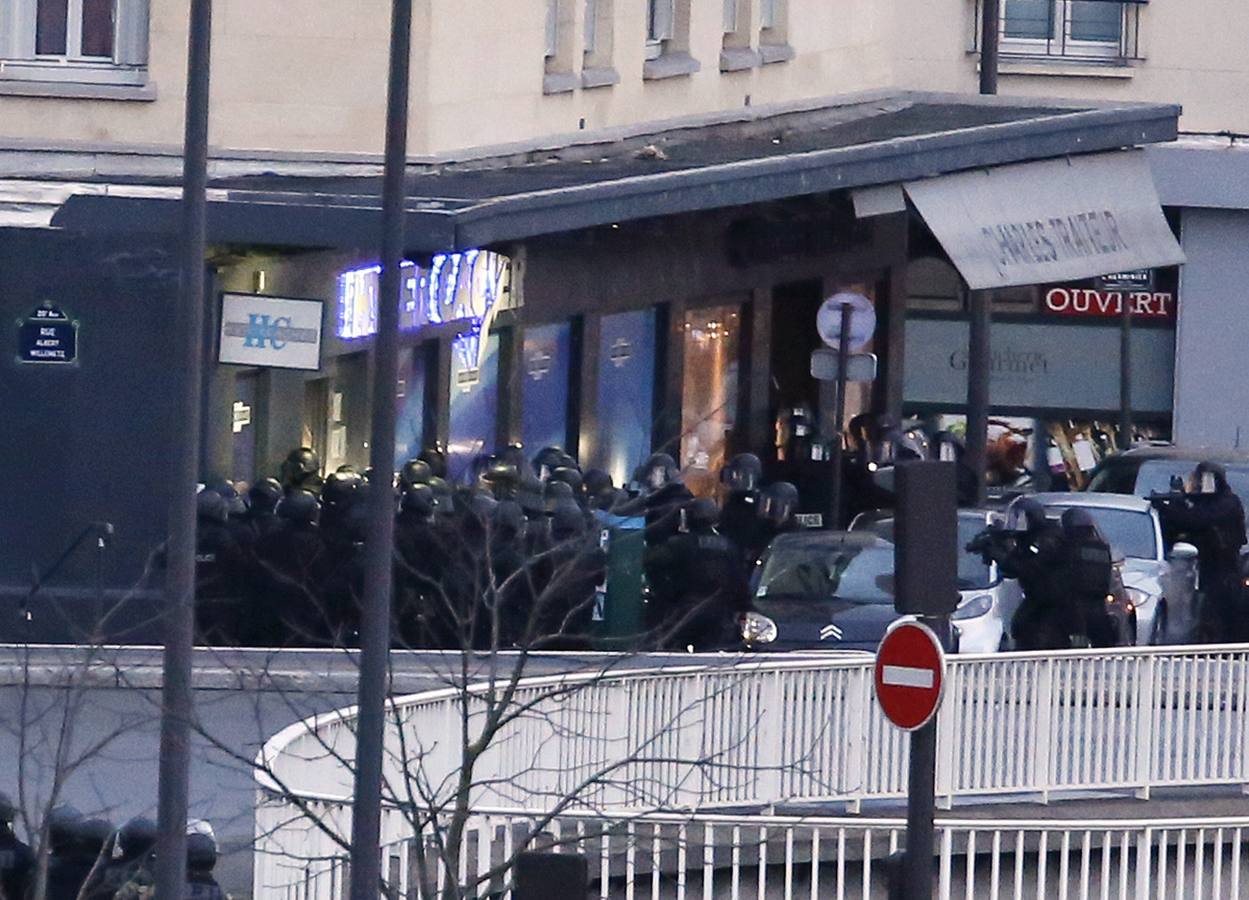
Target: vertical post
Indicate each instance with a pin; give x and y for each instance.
(1125, 373)
(978, 371)
(378, 553)
(921, 809)
(176, 698)
(989, 31)
(839, 414)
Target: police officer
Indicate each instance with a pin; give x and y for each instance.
(287, 605)
(547, 460)
(17, 862)
(1030, 548)
(220, 569)
(262, 504)
(565, 578)
(664, 496)
(67, 867)
(201, 859)
(414, 472)
(436, 458)
(778, 504)
(739, 519)
(502, 479)
(600, 490)
(1090, 574)
(1209, 515)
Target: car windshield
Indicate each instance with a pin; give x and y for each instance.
(1156, 475)
(973, 572)
(825, 571)
(1115, 476)
(1130, 533)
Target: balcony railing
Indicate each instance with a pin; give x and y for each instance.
(1099, 32)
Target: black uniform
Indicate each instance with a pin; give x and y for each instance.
(17, 864)
(1089, 574)
(1214, 522)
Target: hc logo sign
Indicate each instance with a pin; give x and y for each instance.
(262, 329)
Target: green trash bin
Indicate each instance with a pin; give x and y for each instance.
(619, 614)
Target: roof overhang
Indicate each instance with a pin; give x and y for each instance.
(527, 202)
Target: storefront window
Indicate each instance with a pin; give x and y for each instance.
(474, 400)
(544, 391)
(626, 392)
(410, 426)
(709, 394)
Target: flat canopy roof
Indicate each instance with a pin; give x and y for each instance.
(750, 156)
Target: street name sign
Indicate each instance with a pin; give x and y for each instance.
(910, 674)
(47, 336)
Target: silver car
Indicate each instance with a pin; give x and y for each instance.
(987, 601)
(1162, 586)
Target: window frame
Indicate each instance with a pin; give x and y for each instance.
(1060, 38)
(660, 26)
(126, 67)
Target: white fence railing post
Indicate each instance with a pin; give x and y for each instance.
(1144, 704)
(855, 776)
(1042, 747)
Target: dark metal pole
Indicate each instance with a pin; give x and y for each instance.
(366, 875)
(921, 807)
(989, 28)
(979, 364)
(1125, 373)
(176, 699)
(839, 413)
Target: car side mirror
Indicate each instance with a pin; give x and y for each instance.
(1183, 552)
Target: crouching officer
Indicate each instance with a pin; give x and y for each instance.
(1090, 573)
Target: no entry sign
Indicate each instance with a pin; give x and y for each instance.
(910, 674)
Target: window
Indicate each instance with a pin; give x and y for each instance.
(559, 77)
(774, 31)
(668, 40)
(1106, 29)
(660, 19)
(597, 68)
(85, 41)
(552, 28)
(730, 16)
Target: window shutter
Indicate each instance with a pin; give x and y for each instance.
(665, 14)
(552, 27)
(17, 29)
(132, 32)
(730, 16)
(591, 26)
(767, 14)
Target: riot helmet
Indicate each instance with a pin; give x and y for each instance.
(436, 458)
(419, 500)
(300, 465)
(556, 492)
(570, 476)
(547, 460)
(136, 837)
(1079, 524)
(778, 503)
(742, 473)
(1207, 478)
(567, 521)
(415, 471)
(1025, 515)
(63, 823)
(347, 469)
(264, 495)
(300, 508)
(211, 507)
(514, 455)
(659, 470)
(501, 479)
(599, 488)
(201, 852)
(340, 488)
(702, 514)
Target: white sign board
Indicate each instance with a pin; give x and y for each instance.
(859, 366)
(270, 332)
(1051, 221)
(862, 321)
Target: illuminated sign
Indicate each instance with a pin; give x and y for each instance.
(457, 287)
(270, 332)
(1061, 301)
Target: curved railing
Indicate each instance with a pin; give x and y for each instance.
(766, 731)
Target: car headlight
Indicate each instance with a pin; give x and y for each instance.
(1137, 598)
(758, 629)
(974, 608)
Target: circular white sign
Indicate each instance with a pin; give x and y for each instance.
(862, 321)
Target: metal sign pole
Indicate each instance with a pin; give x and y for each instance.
(366, 874)
(839, 414)
(921, 804)
(1125, 373)
(979, 363)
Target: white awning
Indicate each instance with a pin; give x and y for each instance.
(1049, 221)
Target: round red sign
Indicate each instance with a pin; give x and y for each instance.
(910, 674)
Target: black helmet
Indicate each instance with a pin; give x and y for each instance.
(742, 473)
(567, 521)
(201, 852)
(419, 499)
(658, 470)
(597, 482)
(93, 834)
(63, 823)
(8, 812)
(1025, 515)
(557, 492)
(264, 495)
(136, 837)
(300, 465)
(234, 503)
(778, 502)
(570, 476)
(1079, 524)
(211, 507)
(347, 469)
(702, 513)
(415, 471)
(436, 459)
(548, 460)
(513, 454)
(300, 507)
(341, 487)
(501, 479)
(1208, 478)
(443, 492)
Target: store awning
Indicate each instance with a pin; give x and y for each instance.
(1048, 221)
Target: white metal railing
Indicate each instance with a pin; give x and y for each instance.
(709, 856)
(766, 731)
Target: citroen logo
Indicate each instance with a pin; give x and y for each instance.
(830, 631)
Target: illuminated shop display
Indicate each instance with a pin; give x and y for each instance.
(469, 287)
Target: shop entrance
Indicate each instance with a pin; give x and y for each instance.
(316, 416)
(243, 463)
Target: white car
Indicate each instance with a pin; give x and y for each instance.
(1162, 586)
(987, 601)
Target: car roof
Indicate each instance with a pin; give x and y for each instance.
(1193, 454)
(814, 538)
(1094, 500)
